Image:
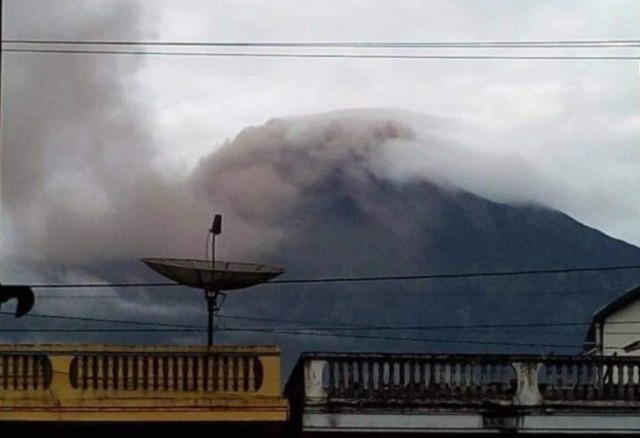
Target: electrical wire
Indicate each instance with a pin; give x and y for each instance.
(317, 326)
(103, 320)
(323, 326)
(46, 296)
(357, 279)
(630, 43)
(328, 55)
(294, 333)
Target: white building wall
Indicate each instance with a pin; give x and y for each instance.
(620, 330)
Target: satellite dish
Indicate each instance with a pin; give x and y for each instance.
(213, 276)
(219, 276)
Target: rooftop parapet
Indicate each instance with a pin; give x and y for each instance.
(134, 383)
(436, 393)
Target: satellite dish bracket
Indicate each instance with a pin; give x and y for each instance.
(215, 300)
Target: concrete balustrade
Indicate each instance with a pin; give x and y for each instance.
(465, 393)
(155, 383)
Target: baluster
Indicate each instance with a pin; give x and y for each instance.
(394, 378)
(343, 371)
(568, 383)
(601, 379)
(628, 383)
(216, 372)
(251, 379)
(14, 376)
(164, 372)
(126, 368)
(146, 371)
(25, 372)
(441, 379)
(242, 373)
(196, 368)
(504, 379)
(431, 382)
(564, 384)
(494, 379)
(358, 383)
(5, 371)
(101, 372)
(189, 378)
(591, 381)
(376, 373)
(410, 387)
(342, 377)
(464, 380)
(35, 364)
(608, 381)
(373, 377)
(579, 386)
(387, 375)
(158, 371)
(456, 378)
(135, 372)
(473, 384)
(226, 372)
(551, 381)
(620, 368)
(419, 373)
(117, 372)
(93, 371)
(233, 379)
(175, 372)
(484, 379)
(206, 372)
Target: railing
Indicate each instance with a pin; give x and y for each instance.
(155, 383)
(25, 372)
(444, 379)
(417, 378)
(590, 379)
(167, 372)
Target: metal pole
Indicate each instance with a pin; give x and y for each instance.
(211, 304)
(211, 292)
(1, 78)
(211, 300)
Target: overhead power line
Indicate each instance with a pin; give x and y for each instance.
(358, 279)
(295, 333)
(324, 326)
(605, 43)
(313, 331)
(314, 326)
(105, 320)
(328, 55)
(496, 293)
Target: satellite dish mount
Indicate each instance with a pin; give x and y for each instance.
(213, 295)
(213, 276)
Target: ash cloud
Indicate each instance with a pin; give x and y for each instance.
(82, 182)
(79, 180)
(258, 178)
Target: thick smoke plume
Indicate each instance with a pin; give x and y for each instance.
(82, 181)
(79, 180)
(108, 201)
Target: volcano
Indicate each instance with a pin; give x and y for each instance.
(335, 213)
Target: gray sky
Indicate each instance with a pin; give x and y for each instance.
(105, 139)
